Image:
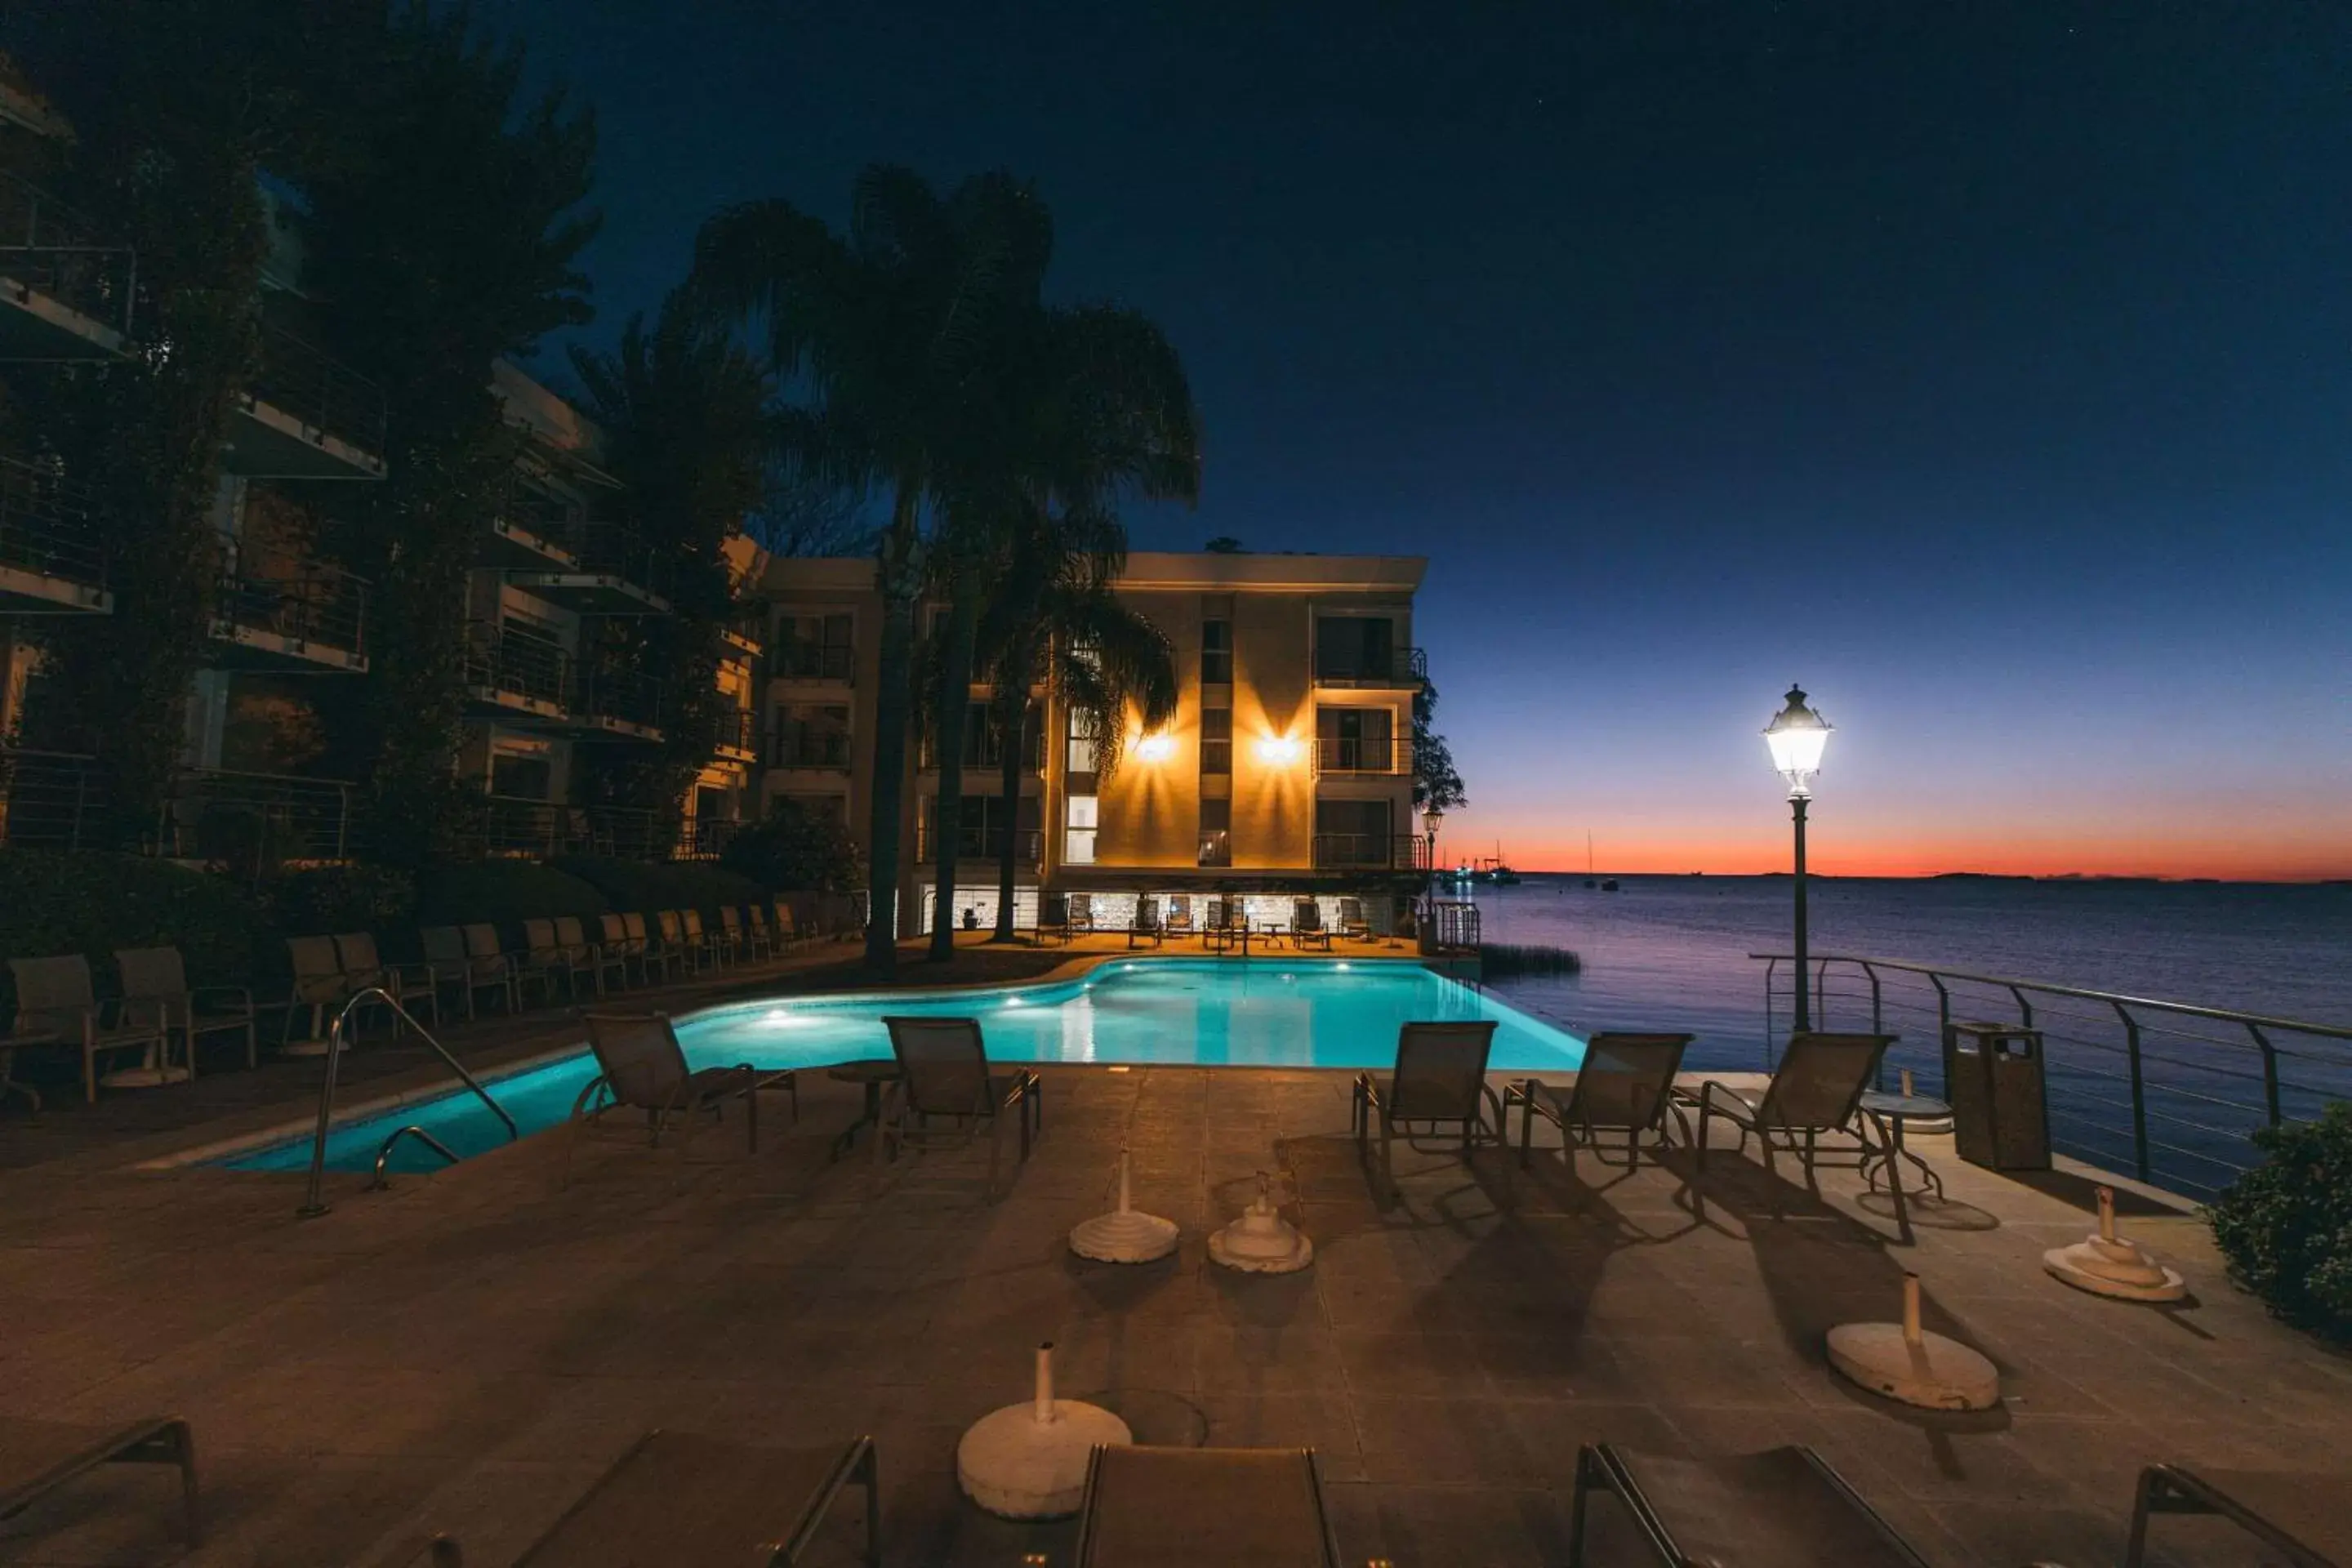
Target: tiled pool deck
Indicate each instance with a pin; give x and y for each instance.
(468, 1350)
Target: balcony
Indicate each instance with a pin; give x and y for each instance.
(615, 704)
(741, 643)
(256, 819)
(818, 751)
(982, 846)
(313, 623)
(609, 572)
(51, 563)
(49, 800)
(528, 532)
(734, 737)
(1376, 757)
(1370, 852)
(835, 663)
(514, 827)
(306, 417)
(64, 296)
(517, 680)
(1347, 668)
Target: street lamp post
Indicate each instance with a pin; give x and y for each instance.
(1432, 816)
(1798, 736)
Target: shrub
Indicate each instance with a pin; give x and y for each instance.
(63, 901)
(332, 899)
(502, 892)
(643, 885)
(2286, 1224)
(795, 850)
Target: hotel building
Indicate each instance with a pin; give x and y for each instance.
(1286, 772)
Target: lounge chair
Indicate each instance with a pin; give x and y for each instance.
(450, 955)
(1307, 927)
(668, 944)
(1173, 1508)
(1626, 1084)
(1145, 926)
(1352, 923)
(758, 941)
(620, 947)
(641, 1066)
(1440, 1079)
(713, 952)
(1817, 1089)
(1082, 914)
(547, 958)
(317, 984)
(1179, 915)
(156, 989)
(656, 958)
(943, 1071)
(489, 957)
(570, 933)
(680, 1498)
(37, 1457)
(787, 931)
(412, 985)
(738, 938)
(1053, 919)
(2287, 1511)
(55, 1005)
(1784, 1508)
(1228, 925)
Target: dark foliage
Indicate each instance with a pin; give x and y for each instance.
(2286, 1224)
(637, 885)
(796, 850)
(332, 899)
(55, 902)
(1435, 781)
(503, 893)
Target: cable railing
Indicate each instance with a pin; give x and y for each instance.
(525, 667)
(1381, 754)
(317, 604)
(2167, 1091)
(813, 661)
(46, 245)
(609, 692)
(46, 524)
(511, 826)
(49, 800)
(1370, 852)
(799, 747)
(1370, 667)
(218, 813)
(297, 378)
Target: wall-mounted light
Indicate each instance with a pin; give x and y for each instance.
(1278, 750)
(1155, 748)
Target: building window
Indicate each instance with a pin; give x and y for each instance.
(1217, 833)
(1216, 740)
(1216, 653)
(1353, 833)
(814, 646)
(1355, 741)
(522, 778)
(1078, 839)
(812, 735)
(1083, 730)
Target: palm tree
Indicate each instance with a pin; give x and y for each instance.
(885, 340)
(1055, 616)
(1093, 406)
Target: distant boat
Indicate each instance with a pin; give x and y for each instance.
(1609, 886)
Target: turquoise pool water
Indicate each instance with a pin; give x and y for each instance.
(1189, 1012)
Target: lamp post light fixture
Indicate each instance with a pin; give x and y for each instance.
(1798, 736)
(1432, 818)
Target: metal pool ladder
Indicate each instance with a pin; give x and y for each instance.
(312, 1206)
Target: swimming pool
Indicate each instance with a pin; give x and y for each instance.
(1186, 1012)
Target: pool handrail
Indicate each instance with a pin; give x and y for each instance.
(312, 1205)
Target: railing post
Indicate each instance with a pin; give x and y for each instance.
(2138, 1090)
(2024, 1008)
(2270, 1072)
(1877, 1016)
(1771, 967)
(1943, 1028)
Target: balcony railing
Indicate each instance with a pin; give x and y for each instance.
(734, 731)
(806, 749)
(619, 551)
(814, 661)
(1385, 755)
(524, 667)
(320, 604)
(298, 379)
(514, 826)
(45, 525)
(2165, 1091)
(1217, 848)
(985, 846)
(606, 693)
(45, 244)
(1403, 666)
(255, 818)
(1370, 852)
(49, 800)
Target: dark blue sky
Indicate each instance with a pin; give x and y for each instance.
(1986, 370)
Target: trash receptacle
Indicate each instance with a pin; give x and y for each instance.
(2000, 1114)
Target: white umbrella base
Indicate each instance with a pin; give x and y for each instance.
(1017, 1467)
(143, 1077)
(1124, 1235)
(1932, 1372)
(2119, 1269)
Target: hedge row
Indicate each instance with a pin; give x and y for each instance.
(57, 901)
